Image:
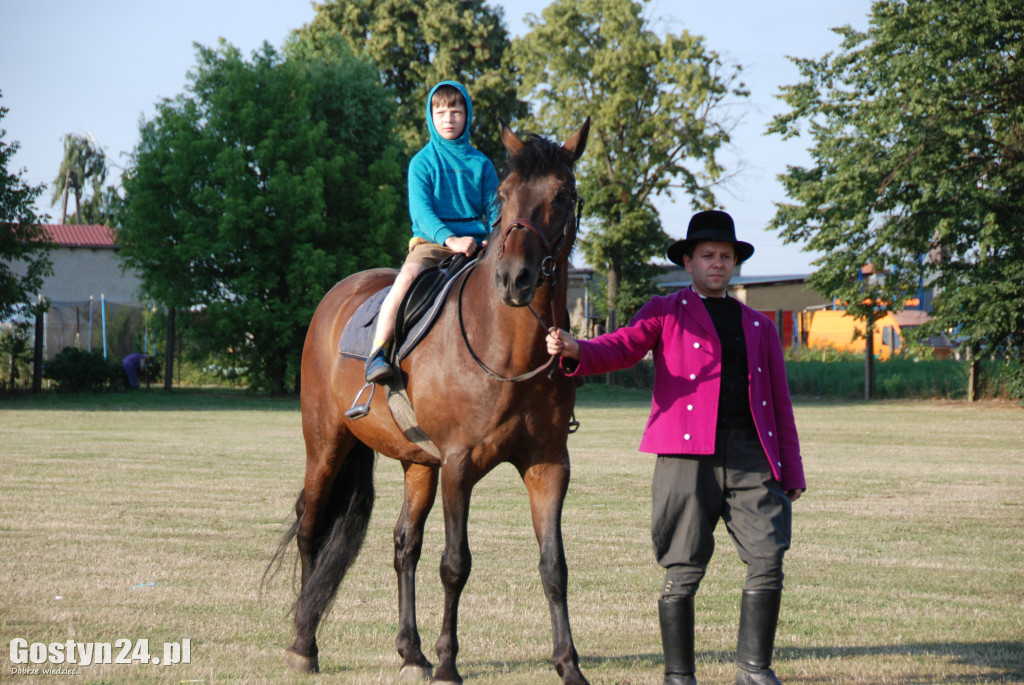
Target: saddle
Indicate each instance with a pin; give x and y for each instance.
(416, 313)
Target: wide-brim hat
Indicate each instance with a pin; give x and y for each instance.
(713, 225)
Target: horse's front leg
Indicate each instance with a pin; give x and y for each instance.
(547, 484)
(420, 490)
(456, 562)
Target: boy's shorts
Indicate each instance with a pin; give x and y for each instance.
(426, 254)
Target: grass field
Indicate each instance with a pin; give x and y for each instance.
(152, 516)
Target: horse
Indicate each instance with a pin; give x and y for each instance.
(478, 355)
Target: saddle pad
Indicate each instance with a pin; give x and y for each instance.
(357, 337)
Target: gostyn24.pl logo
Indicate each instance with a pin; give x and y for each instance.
(28, 658)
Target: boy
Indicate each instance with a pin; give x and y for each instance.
(452, 193)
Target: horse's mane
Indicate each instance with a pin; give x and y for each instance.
(538, 157)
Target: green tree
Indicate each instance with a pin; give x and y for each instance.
(418, 43)
(917, 166)
(21, 238)
(657, 108)
(254, 192)
(84, 166)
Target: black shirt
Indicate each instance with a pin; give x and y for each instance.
(734, 394)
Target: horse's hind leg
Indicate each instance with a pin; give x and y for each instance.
(420, 490)
(334, 512)
(547, 484)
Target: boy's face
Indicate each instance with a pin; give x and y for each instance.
(449, 120)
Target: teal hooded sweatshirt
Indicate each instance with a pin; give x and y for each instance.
(452, 186)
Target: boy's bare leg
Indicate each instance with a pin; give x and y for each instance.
(377, 366)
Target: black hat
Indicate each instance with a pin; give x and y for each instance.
(710, 225)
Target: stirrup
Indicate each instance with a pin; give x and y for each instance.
(358, 411)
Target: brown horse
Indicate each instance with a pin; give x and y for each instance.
(466, 381)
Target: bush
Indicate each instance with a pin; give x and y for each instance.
(75, 370)
(842, 377)
(15, 357)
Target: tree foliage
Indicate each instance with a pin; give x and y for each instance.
(657, 107)
(84, 167)
(21, 238)
(418, 43)
(917, 126)
(256, 190)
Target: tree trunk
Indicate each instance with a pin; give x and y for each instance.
(869, 362)
(610, 323)
(37, 358)
(973, 376)
(613, 292)
(277, 372)
(169, 352)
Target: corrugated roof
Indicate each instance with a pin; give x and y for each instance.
(89, 235)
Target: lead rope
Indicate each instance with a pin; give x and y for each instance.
(490, 372)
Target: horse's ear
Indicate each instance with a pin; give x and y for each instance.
(510, 140)
(577, 142)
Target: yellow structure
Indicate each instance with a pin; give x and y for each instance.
(835, 328)
(830, 328)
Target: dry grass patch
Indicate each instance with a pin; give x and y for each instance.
(154, 517)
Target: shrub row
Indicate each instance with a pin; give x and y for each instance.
(844, 379)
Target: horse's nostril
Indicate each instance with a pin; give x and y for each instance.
(524, 280)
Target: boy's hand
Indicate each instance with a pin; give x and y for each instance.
(466, 245)
(561, 343)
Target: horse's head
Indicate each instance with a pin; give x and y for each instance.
(538, 220)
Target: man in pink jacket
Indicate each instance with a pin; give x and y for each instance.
(722, 426)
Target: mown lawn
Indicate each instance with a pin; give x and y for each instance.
(152, 516)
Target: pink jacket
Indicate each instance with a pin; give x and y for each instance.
(687, 365)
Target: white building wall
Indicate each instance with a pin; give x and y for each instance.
(79, 272)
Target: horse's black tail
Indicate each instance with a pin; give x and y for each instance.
(345, 522)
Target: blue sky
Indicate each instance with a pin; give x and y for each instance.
(74, 67)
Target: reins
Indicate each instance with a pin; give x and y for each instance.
(548, 267)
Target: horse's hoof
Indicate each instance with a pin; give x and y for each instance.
(415, 672)
(300, 663)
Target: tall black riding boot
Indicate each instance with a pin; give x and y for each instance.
(759, 616)
(675, 613)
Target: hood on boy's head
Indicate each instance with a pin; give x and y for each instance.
(435, 137)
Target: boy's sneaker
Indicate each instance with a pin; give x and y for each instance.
(377, 367)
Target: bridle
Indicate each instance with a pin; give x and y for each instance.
(557, 255)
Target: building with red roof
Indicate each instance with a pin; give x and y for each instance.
(85, 265)
(89, 293)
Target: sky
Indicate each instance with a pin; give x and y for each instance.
(98, 68)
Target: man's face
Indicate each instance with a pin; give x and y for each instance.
(711, 267)
(449, 120)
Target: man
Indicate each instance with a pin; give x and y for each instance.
(134, 366)
(722, 426)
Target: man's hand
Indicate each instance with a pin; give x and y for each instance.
(794, 494)
(466, 245)
(561, 343)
